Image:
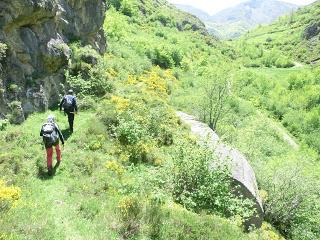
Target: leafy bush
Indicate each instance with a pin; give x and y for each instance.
(130, 210)
(283, 62)
(129, 131)
(292, 204)
(129, 7)
(3, 124)
(161, 57)
(96, 82)
(182, 224)
(200, 187)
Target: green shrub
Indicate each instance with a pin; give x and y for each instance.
(3, 124)
(161, 57)
(129, 131)
(293, 205)
(200, 188)
(115, 3)
(3, 50)
(130, 211)
(88, 103)
(100, 81)
(129, 7)
(108, 115)
(156, 216)
(283, 62)
(182, 224)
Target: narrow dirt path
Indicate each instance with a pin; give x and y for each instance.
(52, 194)
(298, 65)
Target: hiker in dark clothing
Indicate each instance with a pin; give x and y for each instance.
(69, 105)
(51, 135)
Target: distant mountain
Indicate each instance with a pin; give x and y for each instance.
(202, 15)
(233, 22)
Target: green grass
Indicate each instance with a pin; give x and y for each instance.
(50, 207)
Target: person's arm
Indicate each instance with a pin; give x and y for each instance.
(75, 104)
(61, 103)
(60, 134)
(41, 132)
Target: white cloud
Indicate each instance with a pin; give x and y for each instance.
(213, 6)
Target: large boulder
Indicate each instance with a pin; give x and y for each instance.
(243, 176)
(37, 34)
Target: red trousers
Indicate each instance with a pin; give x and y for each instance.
(50, 153)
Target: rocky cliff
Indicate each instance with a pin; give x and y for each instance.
(34, 35)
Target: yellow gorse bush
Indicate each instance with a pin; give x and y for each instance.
(155, 82)
(131, 80)
(121, 103)
(8, 195)
(129, 207)
(115, 167)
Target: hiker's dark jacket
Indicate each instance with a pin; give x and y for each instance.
(74, 104)
(57, 130)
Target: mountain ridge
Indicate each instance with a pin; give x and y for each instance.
(234, 21)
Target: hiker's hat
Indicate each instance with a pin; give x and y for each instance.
(70, 91)
(51, 118)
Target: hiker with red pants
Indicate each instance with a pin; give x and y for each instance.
(69, 105)
(51, 135)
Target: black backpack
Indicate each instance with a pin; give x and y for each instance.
(68, 103)
(49, 133)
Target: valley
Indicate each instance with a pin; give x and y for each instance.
(132, 169)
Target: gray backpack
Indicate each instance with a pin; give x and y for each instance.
(68, 103)
(50, 136)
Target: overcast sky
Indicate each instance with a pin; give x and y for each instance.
(213, 6)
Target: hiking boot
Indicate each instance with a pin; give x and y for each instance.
(57, 164)
(50, 171)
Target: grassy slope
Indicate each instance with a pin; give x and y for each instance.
(80, 203)
(288, 35)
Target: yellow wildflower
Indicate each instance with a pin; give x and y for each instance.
(115, 167)
(121, 103)
(9, 195)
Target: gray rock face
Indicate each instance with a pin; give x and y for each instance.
(36, 33)
(242, 173)
(312, 30)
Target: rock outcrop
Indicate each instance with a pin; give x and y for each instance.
(37, 34)
(312, 30)
(242, 173)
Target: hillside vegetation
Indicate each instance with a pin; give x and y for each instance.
(295, 35)
(131, 170)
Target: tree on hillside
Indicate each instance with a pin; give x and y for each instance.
(215, 95)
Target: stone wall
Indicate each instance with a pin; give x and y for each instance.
(37, 34)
